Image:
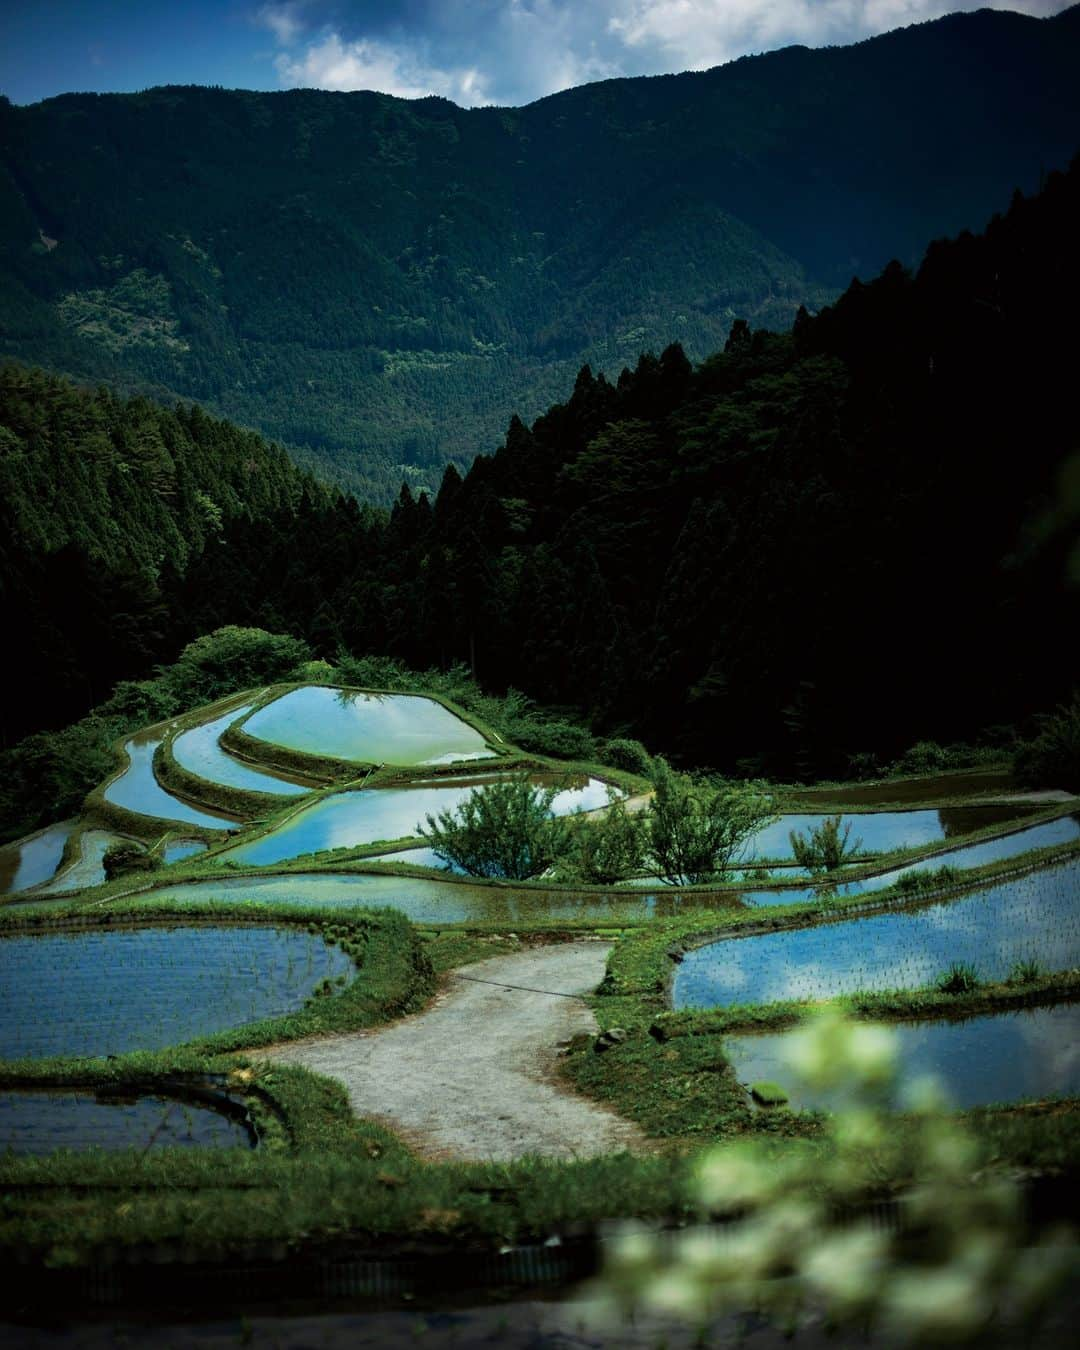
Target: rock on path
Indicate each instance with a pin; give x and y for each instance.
(472, 1076)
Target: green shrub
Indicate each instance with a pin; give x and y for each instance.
(504, 829)
(826, 848)
(768, 1093)
(1052, 758)
(960, 978)
(232, 658)
(1025, 972)
(607, 849)
(624, 753)
(120, 859)
(561, 739)
(696, 830)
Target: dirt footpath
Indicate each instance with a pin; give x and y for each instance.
(473, 1075)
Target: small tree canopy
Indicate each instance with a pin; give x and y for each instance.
(504, 829)
(695, 831)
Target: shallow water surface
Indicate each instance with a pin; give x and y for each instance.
(138, 790)
(87, 870)
(372, 814)
(433, 903)
(182, 848)
(1034, 917)
(98, 993)
(1000, 1057)
(39, 1122)
(198, 751)
(880, 831)
(1051, 833)
(372, 728)
(28, 862)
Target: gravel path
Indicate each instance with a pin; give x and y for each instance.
(473, 1075)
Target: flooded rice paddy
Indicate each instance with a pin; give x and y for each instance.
(1036, 917)
(28, 862)
(1051, 833)
(100, 993)
(371, 728)
(38, 1122)
(182, 848)
(137, 790)
(198, 751)
(925, 788)
(880, 831)
(87, 870)
(367, 816)
(1000, 1057)
(434, 904)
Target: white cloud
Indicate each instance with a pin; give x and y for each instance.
(388, 68)
(283, 20)
(703, 33)
(514, 51)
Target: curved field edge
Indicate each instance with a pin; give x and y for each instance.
(368, 858)
(269, 754)
(394, 975)
(642, 963)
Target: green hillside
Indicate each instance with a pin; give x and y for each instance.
(380, 284)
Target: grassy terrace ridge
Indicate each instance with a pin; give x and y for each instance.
(268, 754)
(929, 1003)
(640, 968)
(205, 868)
(198, 791)
(360, 859)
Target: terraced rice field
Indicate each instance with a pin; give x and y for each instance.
(198, 751)
(1036, 917)
(1000, 1057)
(368, 816)
(36, 1122)
(136, 789)
(370, 728)
(101, 993)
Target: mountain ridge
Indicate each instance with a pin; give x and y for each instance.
(380, 283)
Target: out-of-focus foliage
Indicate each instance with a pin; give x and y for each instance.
(956, 1259)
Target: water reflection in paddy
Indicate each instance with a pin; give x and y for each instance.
(881, 831)
(1050, 834)
(136, 789)
(1036, 917)
(87, 870)
(182, 848)
(1002, 1057)
(347, 819)
(198, 751)
(434, 903)
(98, 993)
(372, 728)
(39, 1122)
(28, 862)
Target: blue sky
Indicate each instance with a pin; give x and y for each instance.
(472, 51)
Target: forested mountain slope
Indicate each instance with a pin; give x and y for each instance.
(813, 545)
(380, 283)
(104, 504)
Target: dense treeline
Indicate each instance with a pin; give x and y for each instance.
(104, 504)
(379, 283)
(815, 544)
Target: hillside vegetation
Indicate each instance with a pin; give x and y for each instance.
(837, 540)
(380, 284)
(828, 543)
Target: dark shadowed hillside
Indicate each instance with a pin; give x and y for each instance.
(381, 283)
